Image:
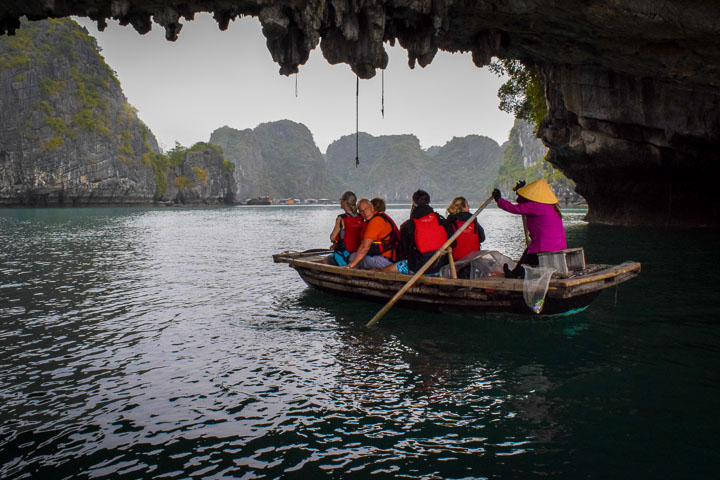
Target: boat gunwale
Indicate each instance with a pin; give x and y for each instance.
(563, 287)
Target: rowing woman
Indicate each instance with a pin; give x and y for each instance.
(539, 205)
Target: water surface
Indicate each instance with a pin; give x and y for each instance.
(164, 343)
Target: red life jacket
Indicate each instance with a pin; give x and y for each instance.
(468, 241)
(353, 226)
(429, 234)
(391, 241)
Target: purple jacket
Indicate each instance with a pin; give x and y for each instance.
(543, 223)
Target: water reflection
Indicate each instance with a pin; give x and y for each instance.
(164, 343)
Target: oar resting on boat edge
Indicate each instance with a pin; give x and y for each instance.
(427, 265)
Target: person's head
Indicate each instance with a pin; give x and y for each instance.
(459, 204)
(348, 202)
(366, 209)
(421, 198)
(378, 204)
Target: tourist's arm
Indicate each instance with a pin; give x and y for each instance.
(363, 250)
(335, 234)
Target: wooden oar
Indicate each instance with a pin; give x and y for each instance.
(427, 265)
(518, 186)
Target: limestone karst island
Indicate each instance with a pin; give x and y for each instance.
(298, 294)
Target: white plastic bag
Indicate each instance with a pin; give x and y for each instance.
(535, 286)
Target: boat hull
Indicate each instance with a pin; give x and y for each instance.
(491, 294)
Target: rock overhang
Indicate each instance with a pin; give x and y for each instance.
(661, 38)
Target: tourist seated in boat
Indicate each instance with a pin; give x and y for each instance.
(347, 233)
(420, 237)
(471, 238)
(539, 205)
(380, 241)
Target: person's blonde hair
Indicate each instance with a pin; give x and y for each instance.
(378, 204)
(456, 205)
(351, 200)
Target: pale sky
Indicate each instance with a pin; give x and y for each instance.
(184, 90)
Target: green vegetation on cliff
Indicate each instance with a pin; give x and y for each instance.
(523, 94)
(68, 130)
(524, 159)
(165, 165)
(75, 87)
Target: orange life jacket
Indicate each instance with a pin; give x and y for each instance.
(468, 241)
(352, 237)
(429, 234)
(391, 241)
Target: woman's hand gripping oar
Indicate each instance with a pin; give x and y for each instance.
(427, 265)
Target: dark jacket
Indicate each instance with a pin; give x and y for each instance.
(407, 237)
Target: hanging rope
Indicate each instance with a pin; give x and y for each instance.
(382, 104)
(357, 121)
(382, 73)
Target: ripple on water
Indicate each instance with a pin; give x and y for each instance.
(163, 343)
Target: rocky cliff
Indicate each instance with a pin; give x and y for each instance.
(277, 159)
(69, 137)
(198, 175)
(633, 87)
(466, 166)
(394, 166)
(637, 147)
(67, 134)
(524, 159)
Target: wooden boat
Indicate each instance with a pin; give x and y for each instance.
(498, 294)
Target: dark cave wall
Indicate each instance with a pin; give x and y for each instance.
(641, 150)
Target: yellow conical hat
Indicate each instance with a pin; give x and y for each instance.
(538, 191)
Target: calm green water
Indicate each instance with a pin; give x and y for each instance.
(164, 343)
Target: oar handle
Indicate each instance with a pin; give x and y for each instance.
(427, 265)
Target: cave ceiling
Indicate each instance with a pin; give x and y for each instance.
(676, 40)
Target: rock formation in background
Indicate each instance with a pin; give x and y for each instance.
(525, 160)
(276, 159)
(197, 175)
(67, 134)
(633, 87)
(394, 166)
(69, 137)
(241, 148)
(467, 166)
(391, 166)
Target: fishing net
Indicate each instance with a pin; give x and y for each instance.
(483, 263)
(535, 286)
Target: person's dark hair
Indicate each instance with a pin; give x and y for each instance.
(421, 198)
